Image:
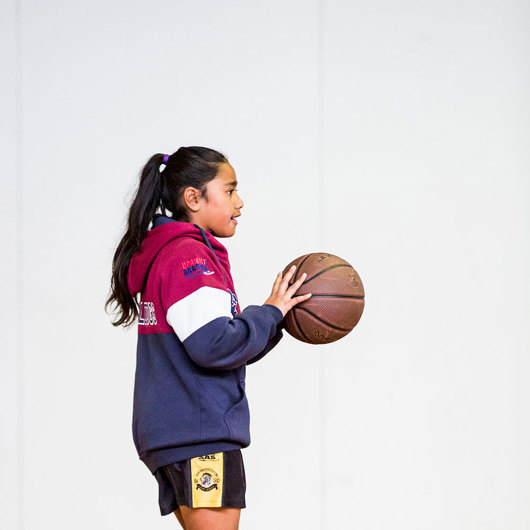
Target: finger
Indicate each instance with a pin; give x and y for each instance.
(291, 271)
(287, 277)
(296, 300)
(296, 285)
(300, 280)
(302, 298)
(277, 282)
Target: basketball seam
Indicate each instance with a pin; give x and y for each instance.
(300, 327)
(323, 321)
(323, 271)
(338, 296)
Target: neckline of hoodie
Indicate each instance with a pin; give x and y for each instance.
(211, 248)
(160, 220)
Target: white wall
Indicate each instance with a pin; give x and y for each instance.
(394, 135)
(11, 456)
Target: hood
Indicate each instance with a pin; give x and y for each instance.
(165, 230)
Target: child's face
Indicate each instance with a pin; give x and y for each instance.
(223, 204)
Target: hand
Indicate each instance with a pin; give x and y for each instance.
(281, 296)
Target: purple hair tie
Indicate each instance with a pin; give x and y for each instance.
(162, 166)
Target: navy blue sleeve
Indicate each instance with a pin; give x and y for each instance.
(270, 345)
(226, 343)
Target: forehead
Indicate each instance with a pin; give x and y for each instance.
(226, 176)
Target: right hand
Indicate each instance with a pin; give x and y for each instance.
(281, 296)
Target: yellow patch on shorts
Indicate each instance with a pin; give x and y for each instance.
(207, 480)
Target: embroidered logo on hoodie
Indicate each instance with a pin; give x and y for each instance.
(195, 266)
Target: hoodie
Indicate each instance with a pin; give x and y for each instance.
(193, 346)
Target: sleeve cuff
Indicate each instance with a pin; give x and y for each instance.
(275, 312)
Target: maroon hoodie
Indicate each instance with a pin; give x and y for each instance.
(194, 343)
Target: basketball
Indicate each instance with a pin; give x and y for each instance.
(336, 303)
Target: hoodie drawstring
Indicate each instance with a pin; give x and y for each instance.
(211, 248)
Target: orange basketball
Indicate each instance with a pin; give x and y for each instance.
(336, 303)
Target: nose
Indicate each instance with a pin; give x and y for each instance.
(241, 203)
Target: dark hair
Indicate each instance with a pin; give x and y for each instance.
(188, 166)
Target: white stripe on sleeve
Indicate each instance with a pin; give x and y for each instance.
(198, 308)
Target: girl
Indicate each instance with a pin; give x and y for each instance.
(190, 412)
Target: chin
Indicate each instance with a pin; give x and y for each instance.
(225, 233)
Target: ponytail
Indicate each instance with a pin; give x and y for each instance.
(188, 166)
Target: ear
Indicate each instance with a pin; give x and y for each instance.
(192, 198)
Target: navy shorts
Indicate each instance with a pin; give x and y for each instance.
(209, 481)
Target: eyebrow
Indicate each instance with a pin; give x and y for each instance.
(233, 183)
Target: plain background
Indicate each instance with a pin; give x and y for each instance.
(392, 134)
